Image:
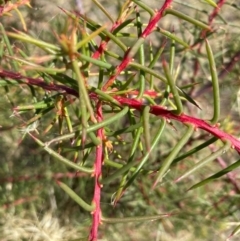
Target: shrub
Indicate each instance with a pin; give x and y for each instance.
(127, 112)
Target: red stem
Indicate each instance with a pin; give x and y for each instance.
(155, 19)
(230, 175)
(123, 65)
(38, 82)
(103, 44)
(216, 11)
(210, 20)
(127, 58)
(97, 173)
(198, 123)
(132, 103)
(56, 176)
(20, 201)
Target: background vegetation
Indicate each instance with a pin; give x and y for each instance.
(33, 206)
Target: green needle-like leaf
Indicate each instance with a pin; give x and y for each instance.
(173, 88)
(187, 18)
(84, 98)
(92, 127)
(141, 53)
(167, 162)
(130, 164)
(89, 37)
(61, 158)
(76, 198)
(235, 232)
(146, 127)
(146, 156)
(9, 47)
(217, 175)
(216, 94)
(173, 37)
(212, 3)
(134, 219)
(100, 6)
(195, 150)
(206, 160)
(50, 48)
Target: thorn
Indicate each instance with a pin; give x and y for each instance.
(217, 125)
(154, 184)
(196, 128)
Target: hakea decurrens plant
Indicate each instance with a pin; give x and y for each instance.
(92, 101)
(156, 110)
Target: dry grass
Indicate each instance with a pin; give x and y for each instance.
(26, 227)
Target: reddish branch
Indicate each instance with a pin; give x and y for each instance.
(203, 33)
(211, 17)
(39, 176)
(97, 173)
(155, 19)
(38, 82)
(103, 44)
(215, 11)
(20, 201)
(132, 103)
(135, 104)
(229, 66)
(123, 65)
(198, 123)
(225, 70)
(148, 30)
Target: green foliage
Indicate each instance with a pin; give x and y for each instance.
(116, 120)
